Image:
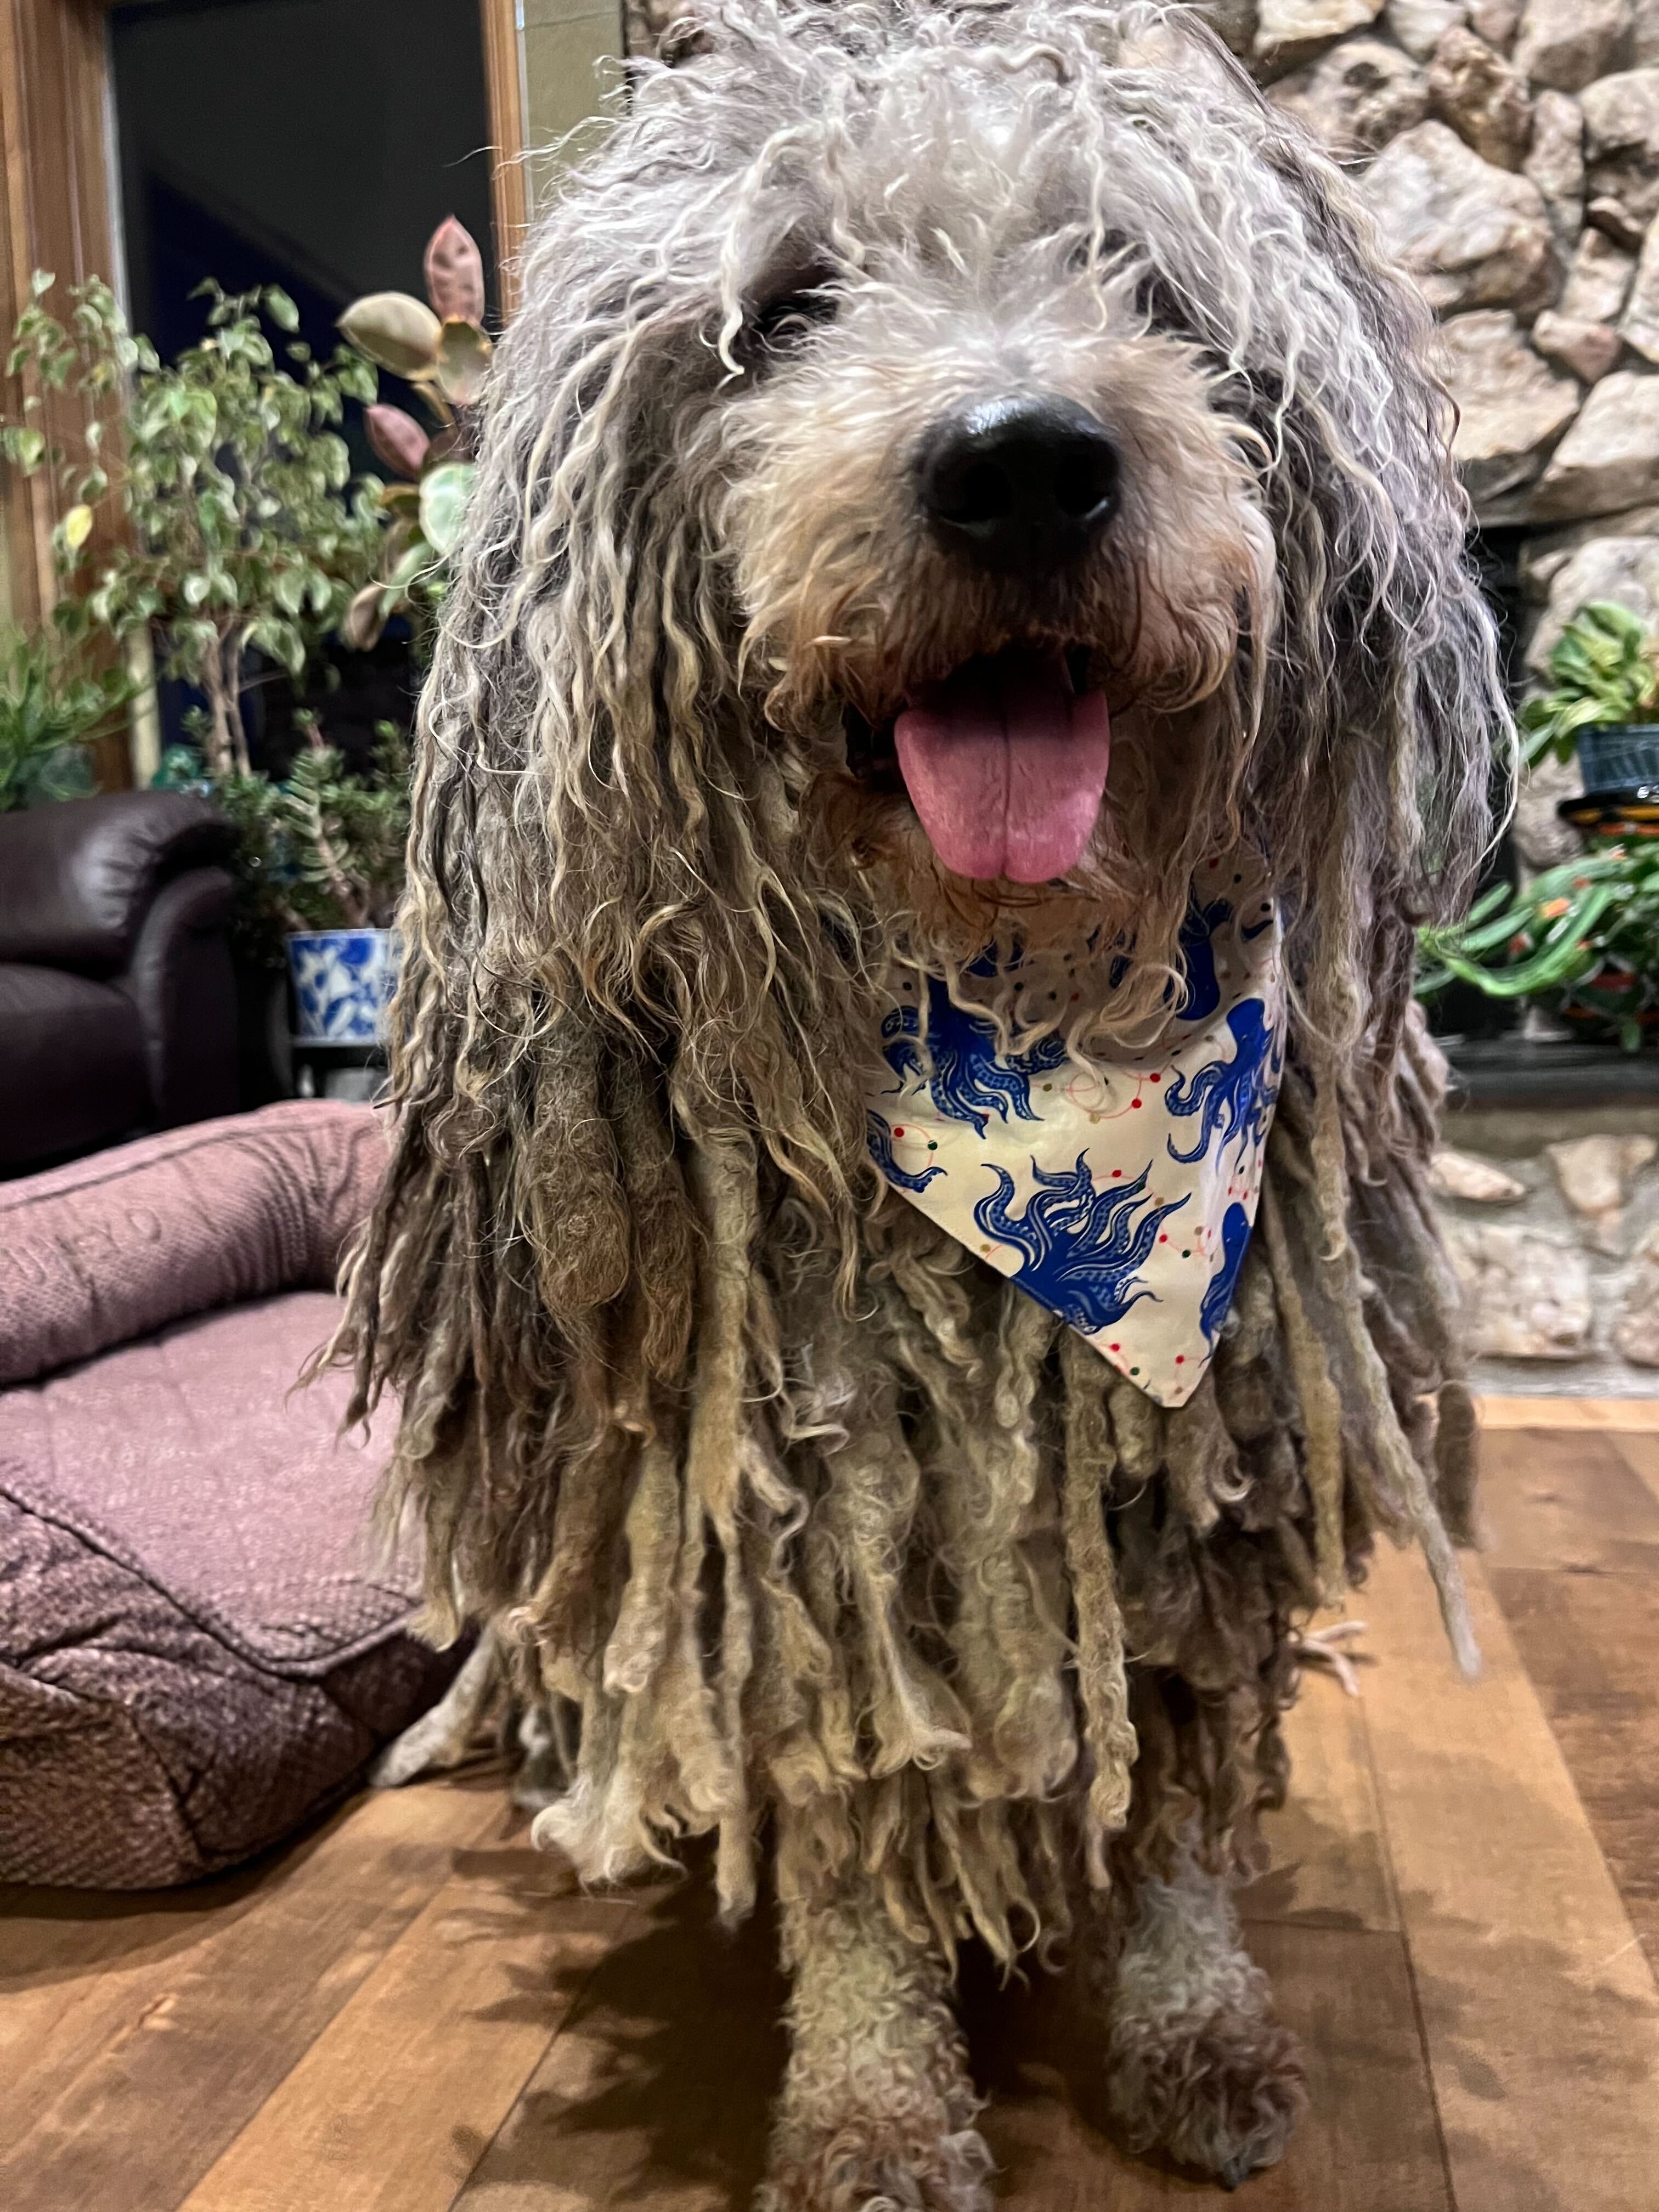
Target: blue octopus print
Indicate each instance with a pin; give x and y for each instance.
(1234, 1236)
(969, 1079)
(1198, 957)
(1083, 1248)
(879, 1137)
(1234, 1097)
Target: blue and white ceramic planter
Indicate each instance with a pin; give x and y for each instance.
(344, 980)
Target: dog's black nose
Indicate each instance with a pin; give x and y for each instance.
(1023, 486)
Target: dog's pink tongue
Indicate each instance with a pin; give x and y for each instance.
(1005, 766)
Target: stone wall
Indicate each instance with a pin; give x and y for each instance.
(1553, 1222)
(1510, 152)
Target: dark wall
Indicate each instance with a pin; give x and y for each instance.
(314, 143)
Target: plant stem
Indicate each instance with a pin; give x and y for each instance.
(219, 748)
(231, 647)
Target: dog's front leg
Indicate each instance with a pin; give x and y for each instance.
(1199, 2066)
(875, 2113)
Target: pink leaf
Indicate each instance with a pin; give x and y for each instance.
(454, 273)
(398, 438)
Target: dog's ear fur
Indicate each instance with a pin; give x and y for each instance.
(613, 931)
(1385, 716)
(1388, 716)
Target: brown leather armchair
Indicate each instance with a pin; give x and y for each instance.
(117, 1003)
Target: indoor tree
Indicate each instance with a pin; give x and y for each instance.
(244, 529)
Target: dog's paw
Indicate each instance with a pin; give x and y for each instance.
(1221, 2093)
(873, 2166)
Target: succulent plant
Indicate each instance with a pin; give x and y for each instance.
(322, 849)
(439, 345)
(1603, 668)
(1582, 939)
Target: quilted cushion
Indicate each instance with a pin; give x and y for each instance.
(99, 1251)
(199, 1645)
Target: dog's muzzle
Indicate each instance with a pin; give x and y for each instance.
(1022, 486)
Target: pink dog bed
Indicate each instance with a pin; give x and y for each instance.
(198, 1647)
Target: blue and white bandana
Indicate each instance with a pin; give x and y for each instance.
(1122, 1194)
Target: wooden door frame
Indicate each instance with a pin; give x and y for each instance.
(57, 147)
(504, 89)
(54, 128)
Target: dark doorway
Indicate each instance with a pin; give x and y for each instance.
(314, 144)
(311, 143)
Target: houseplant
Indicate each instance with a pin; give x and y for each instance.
(242, 529)
(1581, 941)
(1602, 698)
(54, 707)
(320, 870)
(438, 346)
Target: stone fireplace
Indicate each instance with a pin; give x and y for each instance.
(1509, 150)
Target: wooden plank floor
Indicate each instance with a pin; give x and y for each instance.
(410, 2011)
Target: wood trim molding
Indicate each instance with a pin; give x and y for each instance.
(54, 132)
(503, 45)
(59, 209)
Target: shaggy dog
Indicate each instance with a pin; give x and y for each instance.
(895, 364)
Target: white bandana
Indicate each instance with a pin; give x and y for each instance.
(1119, 1194)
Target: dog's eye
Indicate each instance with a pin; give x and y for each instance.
(777, 323)
(1163, 308)
(1094, 251)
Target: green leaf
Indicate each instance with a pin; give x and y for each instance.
(395, 331)
(1488, 903)
(1603, 668)
(280, 309)
(365, 618)
(444, 493)
(464, 354)
(416, 561)
(26, 447)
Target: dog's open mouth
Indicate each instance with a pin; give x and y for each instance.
(1006, 761)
